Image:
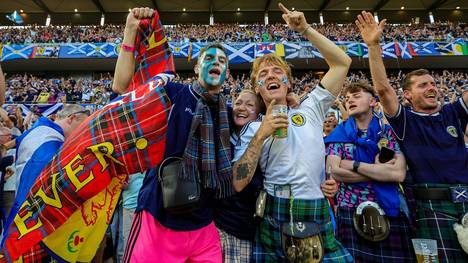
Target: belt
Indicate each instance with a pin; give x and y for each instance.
(432, 193)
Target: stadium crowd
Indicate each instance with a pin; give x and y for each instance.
(335, 170)
(24, 88)
(439, 31)
(27, 88)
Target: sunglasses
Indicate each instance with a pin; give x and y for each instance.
(79, 112)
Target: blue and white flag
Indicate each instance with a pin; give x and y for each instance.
(15, 18)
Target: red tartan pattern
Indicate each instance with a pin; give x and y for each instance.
(125, 137)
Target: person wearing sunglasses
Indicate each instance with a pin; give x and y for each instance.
(36, 147)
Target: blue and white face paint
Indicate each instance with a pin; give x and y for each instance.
(213, 67)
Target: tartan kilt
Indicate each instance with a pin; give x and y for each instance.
(268, 245)
(235, 250)
(397, 247)
(435, 219)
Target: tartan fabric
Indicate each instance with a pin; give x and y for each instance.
(125, 137)
(154, 54)
(214, 156)
(396, 248)
(267, 244)
(235, 250)
(435, 219)
(36, 254)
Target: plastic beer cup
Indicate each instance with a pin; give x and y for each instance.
(276, 111)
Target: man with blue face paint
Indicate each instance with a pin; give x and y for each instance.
(198, 132)
(212, 68)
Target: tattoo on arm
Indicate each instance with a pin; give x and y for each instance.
(244, 168)
(242, 171)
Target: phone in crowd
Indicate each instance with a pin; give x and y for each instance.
(386, 154)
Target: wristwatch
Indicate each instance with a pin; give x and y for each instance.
(356, 165)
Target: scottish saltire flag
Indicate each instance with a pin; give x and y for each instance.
(444, 48)
(15, 17)
(11, 52)
(421, 48)
(70, 204)
(291, 50)
(390, 50)
(240, 52)
(78, 50)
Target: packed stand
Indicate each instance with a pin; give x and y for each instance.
(440, 31)
(24, 88)
(61, 34)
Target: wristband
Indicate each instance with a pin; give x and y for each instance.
(127, 48)
(356, 165)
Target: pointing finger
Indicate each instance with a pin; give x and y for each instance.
(283, 8)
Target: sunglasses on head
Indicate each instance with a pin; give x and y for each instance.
(78, 112)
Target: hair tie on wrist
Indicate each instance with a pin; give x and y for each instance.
(305, 30)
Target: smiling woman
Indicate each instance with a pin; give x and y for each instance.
(246, 108)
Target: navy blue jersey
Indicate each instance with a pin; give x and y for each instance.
(433, 144)
(150, 199)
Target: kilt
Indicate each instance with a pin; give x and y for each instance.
(235, 250)
(267, 244)
(397, 247)
(435, 219)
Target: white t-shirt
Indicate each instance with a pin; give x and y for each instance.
(299, 159)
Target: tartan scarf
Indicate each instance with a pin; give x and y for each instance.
(208, 144)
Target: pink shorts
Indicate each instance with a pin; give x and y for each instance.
(149, 241)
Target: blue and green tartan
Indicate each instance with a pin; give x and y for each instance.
(208, 150)
(435, 219)
(268, 245)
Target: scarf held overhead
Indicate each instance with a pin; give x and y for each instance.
(366, 150)
(209, 144)
(77, 189)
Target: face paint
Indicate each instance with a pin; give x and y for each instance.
(284, 79)
(260, 83)
(210, 58)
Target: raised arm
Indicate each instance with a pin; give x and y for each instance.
(244, 169)
(125, 67)
(371, 33)
(335, 57)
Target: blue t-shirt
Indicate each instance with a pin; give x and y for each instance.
(130, 195)
(184, 102)
(433, 144)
